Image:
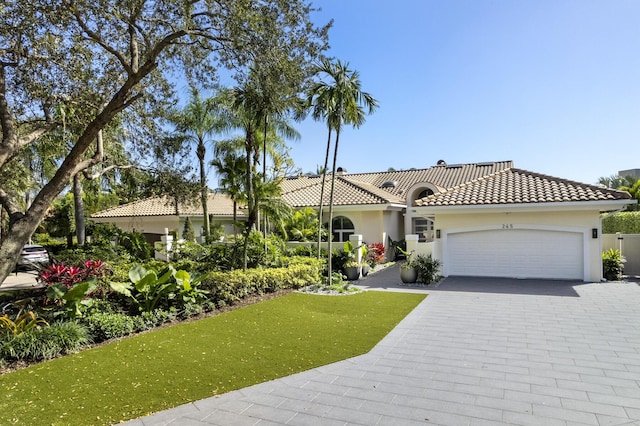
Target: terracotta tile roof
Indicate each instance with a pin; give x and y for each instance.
(367, 188)
(306, 192)
(443, 177)
(218, 205)
(516, 186)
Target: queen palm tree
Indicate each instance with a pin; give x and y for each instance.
(230, 166)
(197, 123)
(634, 190)
(339, 101)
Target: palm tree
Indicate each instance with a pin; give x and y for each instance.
(339, 101)
(197, 122)
(321, 100)
(230, 167)
(634, 190)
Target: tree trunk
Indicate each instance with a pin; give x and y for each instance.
(78, 208)
(324, 178)
(333, 182)
(204, 191)
(250, 200)
(24, 226)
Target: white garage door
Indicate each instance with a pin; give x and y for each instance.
(516, 253)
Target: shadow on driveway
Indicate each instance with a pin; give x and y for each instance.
(536, 287)
(389, 280)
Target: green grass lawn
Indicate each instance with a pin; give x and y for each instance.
(171, 366)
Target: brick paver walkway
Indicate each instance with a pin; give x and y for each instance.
(475, 352)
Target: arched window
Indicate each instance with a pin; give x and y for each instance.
(424, 193)
(421, 193)
(342, 227)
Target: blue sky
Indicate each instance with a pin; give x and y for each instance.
(553, 85)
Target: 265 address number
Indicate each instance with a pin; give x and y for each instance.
(507, 226)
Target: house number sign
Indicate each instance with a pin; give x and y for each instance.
(507, 226)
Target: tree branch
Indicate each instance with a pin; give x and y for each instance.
(96, 37)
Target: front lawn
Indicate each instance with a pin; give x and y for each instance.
(171, 366)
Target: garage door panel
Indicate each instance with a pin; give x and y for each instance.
(516, 253)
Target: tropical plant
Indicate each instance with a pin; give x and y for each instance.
(23, 321)
(73, 300)
(151, 287)
(612, 264)
(375, 254)
(339, 101)
(70, 275)
(409, 262)
(303, 225)
(427, 268)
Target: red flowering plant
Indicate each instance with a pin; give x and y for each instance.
(69, 276)
(375, 254)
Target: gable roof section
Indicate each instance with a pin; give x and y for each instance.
(217, 205)
(516, 186)
(306, 192)
(366, 188)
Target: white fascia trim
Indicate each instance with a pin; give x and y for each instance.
(365, 207)
(602, 206)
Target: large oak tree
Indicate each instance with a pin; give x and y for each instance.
(119, 57)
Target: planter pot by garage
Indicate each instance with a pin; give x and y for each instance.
(408, 275)
(352, 272)
(365, 270)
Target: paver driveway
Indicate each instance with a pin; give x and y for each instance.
(475, 352)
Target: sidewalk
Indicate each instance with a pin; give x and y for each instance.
(23, 280)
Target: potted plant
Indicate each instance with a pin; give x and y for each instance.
(408, 271)
(352, 268)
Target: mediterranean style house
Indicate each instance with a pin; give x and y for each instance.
(479, 219)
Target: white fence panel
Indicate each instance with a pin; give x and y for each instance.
(629, 246)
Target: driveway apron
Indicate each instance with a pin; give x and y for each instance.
(477, 351)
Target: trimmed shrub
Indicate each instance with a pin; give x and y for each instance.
(45, 343)
(105, 326)
(147, 320)
(623, 222)
(227, 287)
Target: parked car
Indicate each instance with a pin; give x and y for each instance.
(32, 256)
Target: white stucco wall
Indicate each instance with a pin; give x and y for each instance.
(373, 225)
(572, 221)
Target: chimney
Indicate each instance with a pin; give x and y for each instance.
(341, 171)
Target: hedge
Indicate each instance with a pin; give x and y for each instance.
(227, 287)
(623, 222)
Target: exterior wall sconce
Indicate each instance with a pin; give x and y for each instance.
(437, 233)
(594, 233)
